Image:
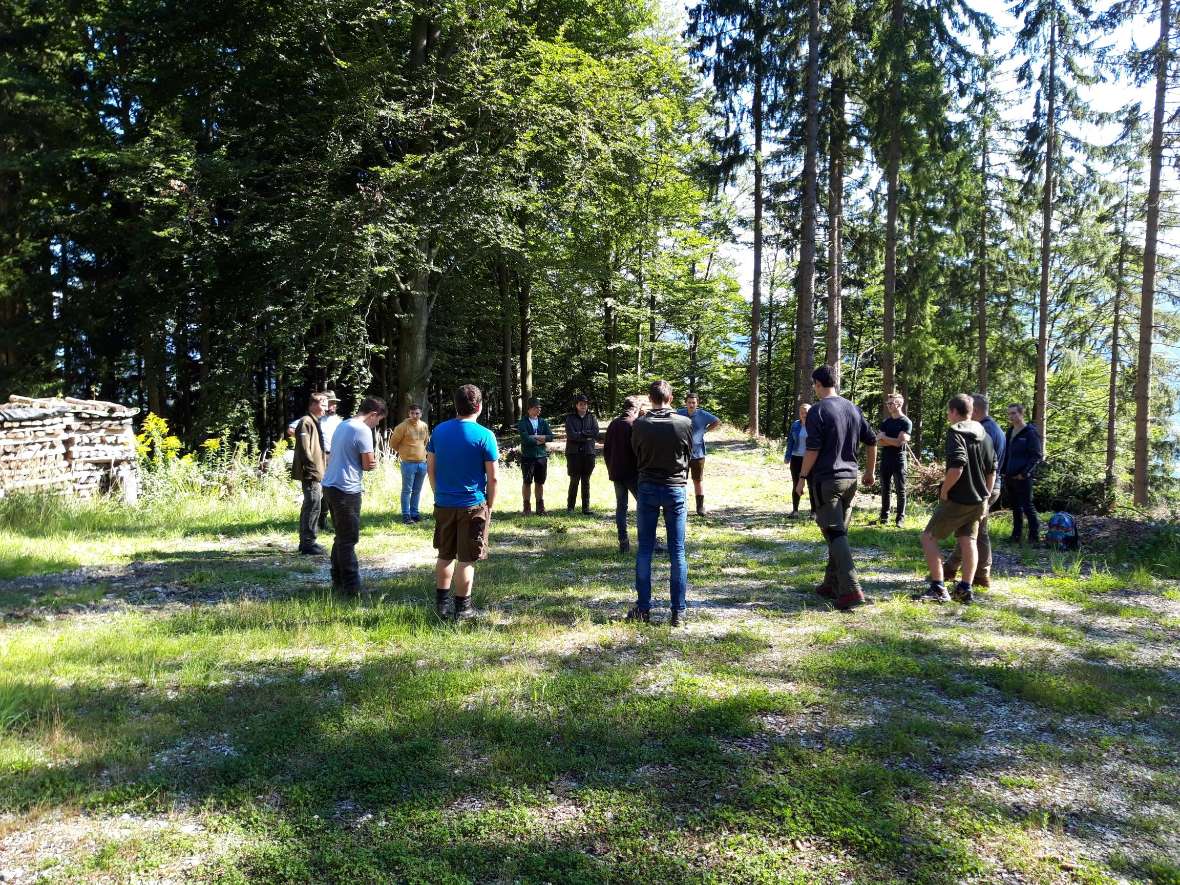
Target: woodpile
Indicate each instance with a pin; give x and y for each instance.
(67, 445)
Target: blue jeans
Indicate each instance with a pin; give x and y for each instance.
(413, 474)
(652, 499)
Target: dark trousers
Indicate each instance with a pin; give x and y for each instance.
(579, 467)
(833, 517)
(895, 474)
(309, 513)
(1020, 495)
(622, 490)
(346, 517)
(796, 469)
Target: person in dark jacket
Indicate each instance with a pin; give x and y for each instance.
(983, 542)
(621, 466)
(796, 449)
(962, 499)
(662, 442)
(1021, 457)
(534, 456)
(581, 438)
(307, 469)
(892, 438)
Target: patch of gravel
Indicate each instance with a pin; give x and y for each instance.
(33, 848)
(195, 752)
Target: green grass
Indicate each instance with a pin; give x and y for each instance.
(254, 728)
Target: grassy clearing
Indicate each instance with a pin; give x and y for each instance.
(193, 705)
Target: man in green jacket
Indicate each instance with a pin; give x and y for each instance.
(534, 457)
(307, 469)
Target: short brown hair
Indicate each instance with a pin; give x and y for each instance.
(692, 394)
(318, 398)
(960, 404)
(1017, 406)
(660, 392)
(468, 399)
(824, 376)
(372, 404)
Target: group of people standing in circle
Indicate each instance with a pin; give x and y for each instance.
(651, 451)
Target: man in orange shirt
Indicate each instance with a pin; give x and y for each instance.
(409, 442)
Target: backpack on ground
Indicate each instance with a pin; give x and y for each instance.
(1062, 532)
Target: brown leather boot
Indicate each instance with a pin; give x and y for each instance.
(526, 494)
(540, 501)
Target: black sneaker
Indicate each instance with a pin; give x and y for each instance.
(933, 593)
(678, 617)
(962, 593)
(636, 615)
(465, 614)
(313, 550)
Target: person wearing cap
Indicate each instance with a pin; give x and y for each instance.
(581, 439)
(621, 466)
(408, 441)
(534, 456)
(702, 423)
(307, 468)
(329, 421)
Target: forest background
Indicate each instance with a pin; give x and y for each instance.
(210, 210)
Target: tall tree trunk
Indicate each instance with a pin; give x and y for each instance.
(525, 306)
(1115, 332)
(415, 357)
(770, 343)
(837, 140)
(507, 321)
(610, 323)
(755, 426)
(892, 174)
(981, 292)
(805, 277)
(1041, 390)
(1147, 295)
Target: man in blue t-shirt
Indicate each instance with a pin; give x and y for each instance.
(702, 423)
(461, 464)
(352, 454)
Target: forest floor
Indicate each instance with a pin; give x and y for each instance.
(182, 700)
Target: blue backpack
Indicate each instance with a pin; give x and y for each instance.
(1062, 532)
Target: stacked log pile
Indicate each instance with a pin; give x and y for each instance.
(72, 445)
(33, 449)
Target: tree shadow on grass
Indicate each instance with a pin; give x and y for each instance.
(548, 766)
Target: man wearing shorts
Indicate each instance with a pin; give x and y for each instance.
(983, 541)
(534, 456)
(461, 464)
(702, 423)
(962, 500)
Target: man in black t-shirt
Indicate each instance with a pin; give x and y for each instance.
(892, 438)
(835, 428)
(962, 500)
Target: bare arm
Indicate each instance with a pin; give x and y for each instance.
(368, 461)
(870, 466)
(489, 469)
(991, 483)
(430, 469)
(809, 460)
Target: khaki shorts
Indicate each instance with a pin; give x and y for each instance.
(951, 517)
(461, 533)
(696, 467)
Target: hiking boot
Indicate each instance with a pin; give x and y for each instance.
(849, 601)
(982, 582)
(313, 550)
(636, 615)
(442, 604)
(933, 593)
(464, 611)
(677, 617)
(962, 593)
